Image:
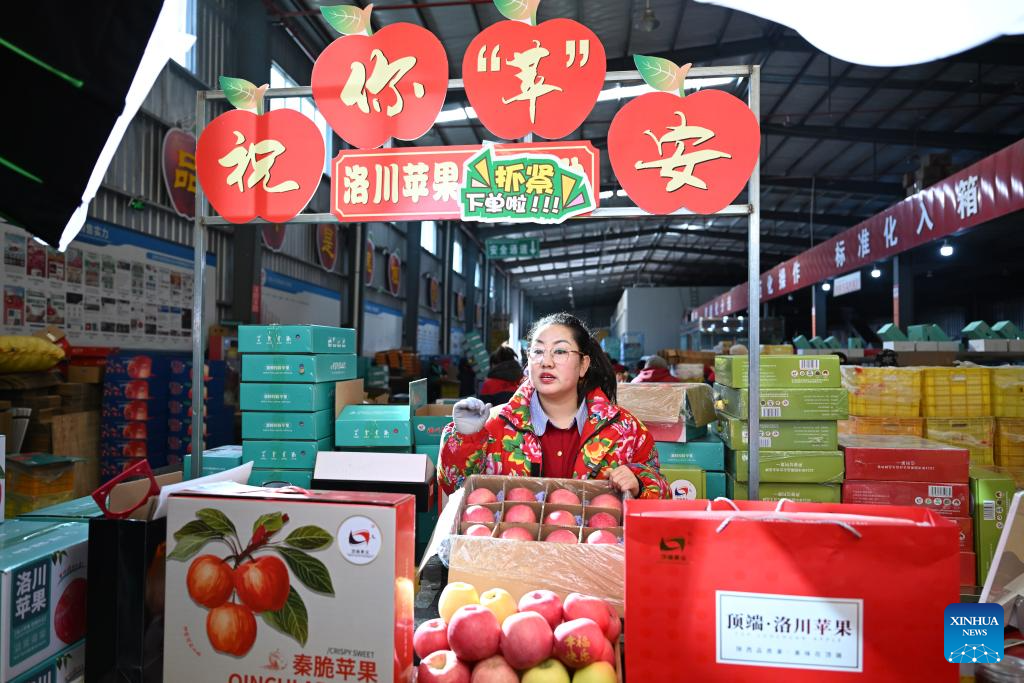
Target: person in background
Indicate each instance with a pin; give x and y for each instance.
(562, 421)
(621, 371)
(504, 378)
(467, 376)
(655, 370)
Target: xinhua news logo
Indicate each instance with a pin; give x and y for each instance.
(973, 633)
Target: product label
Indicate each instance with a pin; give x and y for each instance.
(359, 540)
(791, 631)
(30, 610)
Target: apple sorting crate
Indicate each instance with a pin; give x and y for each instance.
(519, 567)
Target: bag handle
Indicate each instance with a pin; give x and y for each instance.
(139, 469)
(776, 517)
(723, 499)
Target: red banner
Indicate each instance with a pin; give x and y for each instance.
(984, 191)
(424, 183)
(273, 235)
(179, 166)
(327, 245)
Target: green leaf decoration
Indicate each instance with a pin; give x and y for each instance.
(240, 93)
(187, 546)
(292, 619)
(272, 521)
(660, 74)
(309, 538)
(196, 528)
(218, 521)
(517, 10)
(348, 20)
(309, 570)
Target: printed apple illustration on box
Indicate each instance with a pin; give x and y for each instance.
(671, 152)
(380, 85)
(524, 78)
(254, 164)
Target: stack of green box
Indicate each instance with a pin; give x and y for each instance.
(287, 396)
(801, 400)
(695, 469)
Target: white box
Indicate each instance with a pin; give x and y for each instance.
(899, 345)
(926, 346)
(1015, 345)
(953, 346)
(987, 345)
(853, 353)
(330, 579)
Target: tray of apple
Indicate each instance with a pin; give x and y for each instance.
(490, 638)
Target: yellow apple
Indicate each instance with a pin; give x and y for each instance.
(500, 602)
(455, 595)
(598, 672)
(548, 671)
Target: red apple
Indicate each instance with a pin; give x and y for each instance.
(478, 530)
(494, 670)
(563, 497)
(602, 536)
(526, 640)
(561, 518)
(477, 513)
(520, 514)
(430, 636)
(606, 500)
(474, 633)
(481, 496)
(545, 603)
(579, 642)
(602, 520)
(614, 629)
(517, 533)
(608, 655)
(579, 606)
(442, 667)
(561, 536)
(521, 494)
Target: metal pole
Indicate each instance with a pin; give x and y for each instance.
(754, 304)
(358, 273)
(198, 296)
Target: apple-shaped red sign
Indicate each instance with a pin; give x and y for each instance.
(670, 152)
(259, 165)
(524, 79)
(371, 88)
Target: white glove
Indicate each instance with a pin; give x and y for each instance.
(470, 415)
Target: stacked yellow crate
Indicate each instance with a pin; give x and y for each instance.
(1009, 442)
(886, 426)
(883, 401)
(1008, 391)
(957, 406)
(976, 434)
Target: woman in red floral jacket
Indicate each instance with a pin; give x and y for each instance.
(562, 422)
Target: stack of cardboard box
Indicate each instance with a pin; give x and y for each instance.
(218, 417)
(287, 396)
(800, 402)
(133, 422)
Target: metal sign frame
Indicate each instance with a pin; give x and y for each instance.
(752, 210)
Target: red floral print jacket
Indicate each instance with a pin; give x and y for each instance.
(507, 445)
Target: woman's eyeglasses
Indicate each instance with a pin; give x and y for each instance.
(558, 356)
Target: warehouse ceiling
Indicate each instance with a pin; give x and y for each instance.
(836, 137)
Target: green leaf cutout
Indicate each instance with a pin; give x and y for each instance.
(272, 521)
(292, 619)
(218, 521)
(309, 538)
(348, 20)
(660, 74)
(517, 10)
(187, 546)
(309, 570)
(240, 93)
(196, 528)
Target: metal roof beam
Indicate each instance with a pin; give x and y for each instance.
(737, 256)
(984, 142)
(735, 48)
(893, 83)
(819, 218)
(846, 186)
(724, 273)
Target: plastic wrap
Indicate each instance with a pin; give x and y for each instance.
(1008, 391)
(1009, 442)
(665, 402)
(882, 426)
(976, 434)
(28, 354)
(688, 372)
(957, 392)
(883, 392)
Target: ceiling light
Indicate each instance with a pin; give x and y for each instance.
(875, 272)
(449, 115)
(826, 286)
(620, 193)
(648, 21)
(946, 249)
(725, 329)
(606, 194)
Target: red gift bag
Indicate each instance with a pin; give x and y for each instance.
(761, 591)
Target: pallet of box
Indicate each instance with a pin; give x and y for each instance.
(883, 392)
(906, 470)
(133, 424)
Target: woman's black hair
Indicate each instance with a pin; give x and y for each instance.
(601, 374)
(503, 354)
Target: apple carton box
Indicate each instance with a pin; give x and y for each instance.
(370, 426)
(304, 368)
(780, 372)
(950, 499)
(43, 584)
(278, 478)
(671, 412)
(142, 365)
(428, 422)
(290, 426)
(786, 404)
(295, 339)
(290, 397)
(409, 473)
(316, 557)
(903, 458)
(67, 666)
(134, 389)
(284, 455)
(522, 566)
(992, 492)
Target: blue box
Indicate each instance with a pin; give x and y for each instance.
(707, 453)
(132, 389)
(715, 486)
(154, 429)
(137, 365)
(137, 409)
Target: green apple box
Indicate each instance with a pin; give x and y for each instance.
(428, 423)
(284, 455)
(684, 483)
(707, 453)
(433, 450)
(78, 510)
(288, 426)
(43, 567)
(715, 485)
(279, 477)
(804, 435)
(991, 493)
(781, 372)
(792, 467)
(786, 404)
(800, 493)
(298, 368)
(215, 460)
(290, 397)
(360, 425)
(67, 666)
(295, 339)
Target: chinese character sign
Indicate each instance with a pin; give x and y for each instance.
(273, 236)
(524, 188)
(394, 274)
(671, 152)
(327, 246)
(389, 84)
(369, 257)
(179, 167)
(523, 79)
